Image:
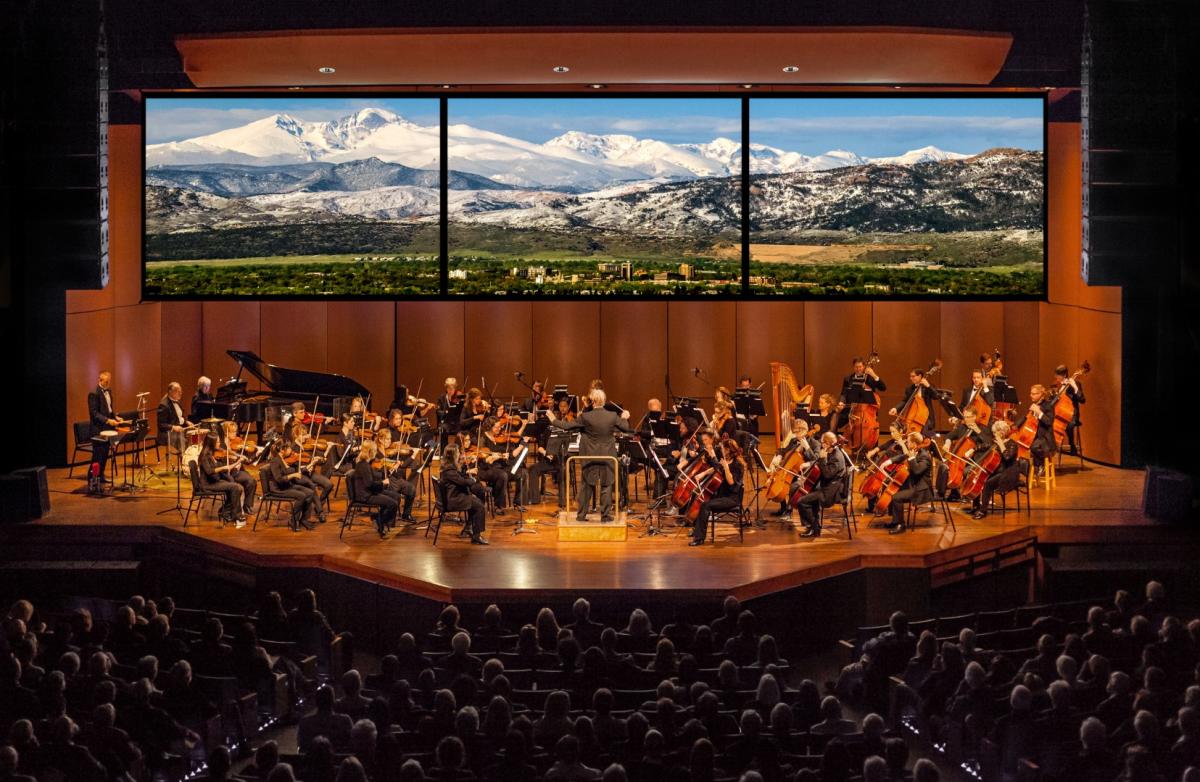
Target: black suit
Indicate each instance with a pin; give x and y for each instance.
(464, 493)
(968, 395)
(849, 381)
(1043, 441)
(169, 415)
(597, 427)
(916, 489)
(1004, 478)
(927, 396)
(1078, 398)
(100, 410)
(194, 415)
(830, 487)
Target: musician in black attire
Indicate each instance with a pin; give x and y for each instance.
(1006, 476)
(1074, 392)
(241, 477)
(1043, 442)
(916, 488)
(284, 480)
(216, 476)
(831, 461)
(726, 458)
(447, 417)
(203, 394)
(463, 493)
(881, 454)
(917, 380)
(310, 465)
(534, 399)
(346, 449)
(749, 423)
(862, 376)
(101, 416)
(798, 438)
(371, 486)
(171, 421)
(977, 388)
(666, 451)
(597, 426)
(981, 440)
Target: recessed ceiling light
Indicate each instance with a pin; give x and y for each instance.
(560, 69)
(896, 87)
(447, 86)
(597, 86)
(295, 88)
(747, 86)
(326, 69)
(790, 69)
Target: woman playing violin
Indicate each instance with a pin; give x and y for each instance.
(397, 462)
(723, 423)
(313, 453)
(491, 464)
(475, 409)
(371, 485)
(729, 462)
(216, 476)
(232, 453)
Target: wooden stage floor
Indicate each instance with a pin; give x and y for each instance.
(1089, 504)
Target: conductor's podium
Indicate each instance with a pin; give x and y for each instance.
(591, 530)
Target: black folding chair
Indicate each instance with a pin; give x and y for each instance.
(200, 494)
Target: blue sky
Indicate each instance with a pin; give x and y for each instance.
(173, 119)
(875, 127)
(675, 120)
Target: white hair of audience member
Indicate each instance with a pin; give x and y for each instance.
(966, 639)
(1060, 694)
(1155, 591)
(460, 643)
(750, 776)
(975, 676)
(1190, 774)
(1092, 734)
(411, 771)
(614, 773)
(768, 690)
(873, 725)
(1020, 699)
(1145, 725)
(1067, 668)
(875, 769)
(925, 770)
(466, 722)
(1119, 683)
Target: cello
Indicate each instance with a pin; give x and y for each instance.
(890, 476)
(862, 428)
(698, 481)
(979, 470)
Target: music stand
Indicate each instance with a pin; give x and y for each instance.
(1003, 392)
(945, 397)
(748, 403)
(424, 478)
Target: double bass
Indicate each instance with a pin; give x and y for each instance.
(1026, 433)
(1064, 406)
(915, 413)
(862, 429)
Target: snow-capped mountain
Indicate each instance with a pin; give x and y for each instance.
(574, 161)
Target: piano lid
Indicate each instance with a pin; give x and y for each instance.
(298, 381)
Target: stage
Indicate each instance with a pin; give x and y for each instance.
(1091, 504)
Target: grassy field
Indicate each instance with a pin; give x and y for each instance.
(311, 275)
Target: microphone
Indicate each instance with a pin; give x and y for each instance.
(696, 371)
(143, 393)
(518, 375)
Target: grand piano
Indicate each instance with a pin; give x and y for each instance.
(324, 392)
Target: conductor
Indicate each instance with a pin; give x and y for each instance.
(597, 425)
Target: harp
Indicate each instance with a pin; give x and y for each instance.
(786, 393)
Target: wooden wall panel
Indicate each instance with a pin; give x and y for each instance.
(835, 332)
(701, 335)
(138, 362)
(633, 354)
(968, 329)
(90, 301)
(125, 214)
(430, 343)
(1021, 345)
(361, 340)
(1064, 212)
(1099, 342)
(228, 325)
(180, 341)
(499, 341)
(1058, 339)
(89, 352)
(566, 344)
(766, 332)
(294, 334)
(907, 335)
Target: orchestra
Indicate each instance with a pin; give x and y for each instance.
(493, 453)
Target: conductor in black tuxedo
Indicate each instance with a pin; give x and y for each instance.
(100, 414)
(597, 426)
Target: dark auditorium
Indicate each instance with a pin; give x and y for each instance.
(578, 392)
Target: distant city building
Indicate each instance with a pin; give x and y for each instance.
(687, 271)
(627, 271)
(458, 274)
(608, 268)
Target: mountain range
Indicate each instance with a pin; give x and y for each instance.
(574, 161)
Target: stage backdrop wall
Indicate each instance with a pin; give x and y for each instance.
(634, 346)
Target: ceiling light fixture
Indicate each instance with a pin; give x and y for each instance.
(326, 69)
(560, 69)
(597, 86)
(747, 86)
(790, 69)
(447, 86)
(295, 88)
